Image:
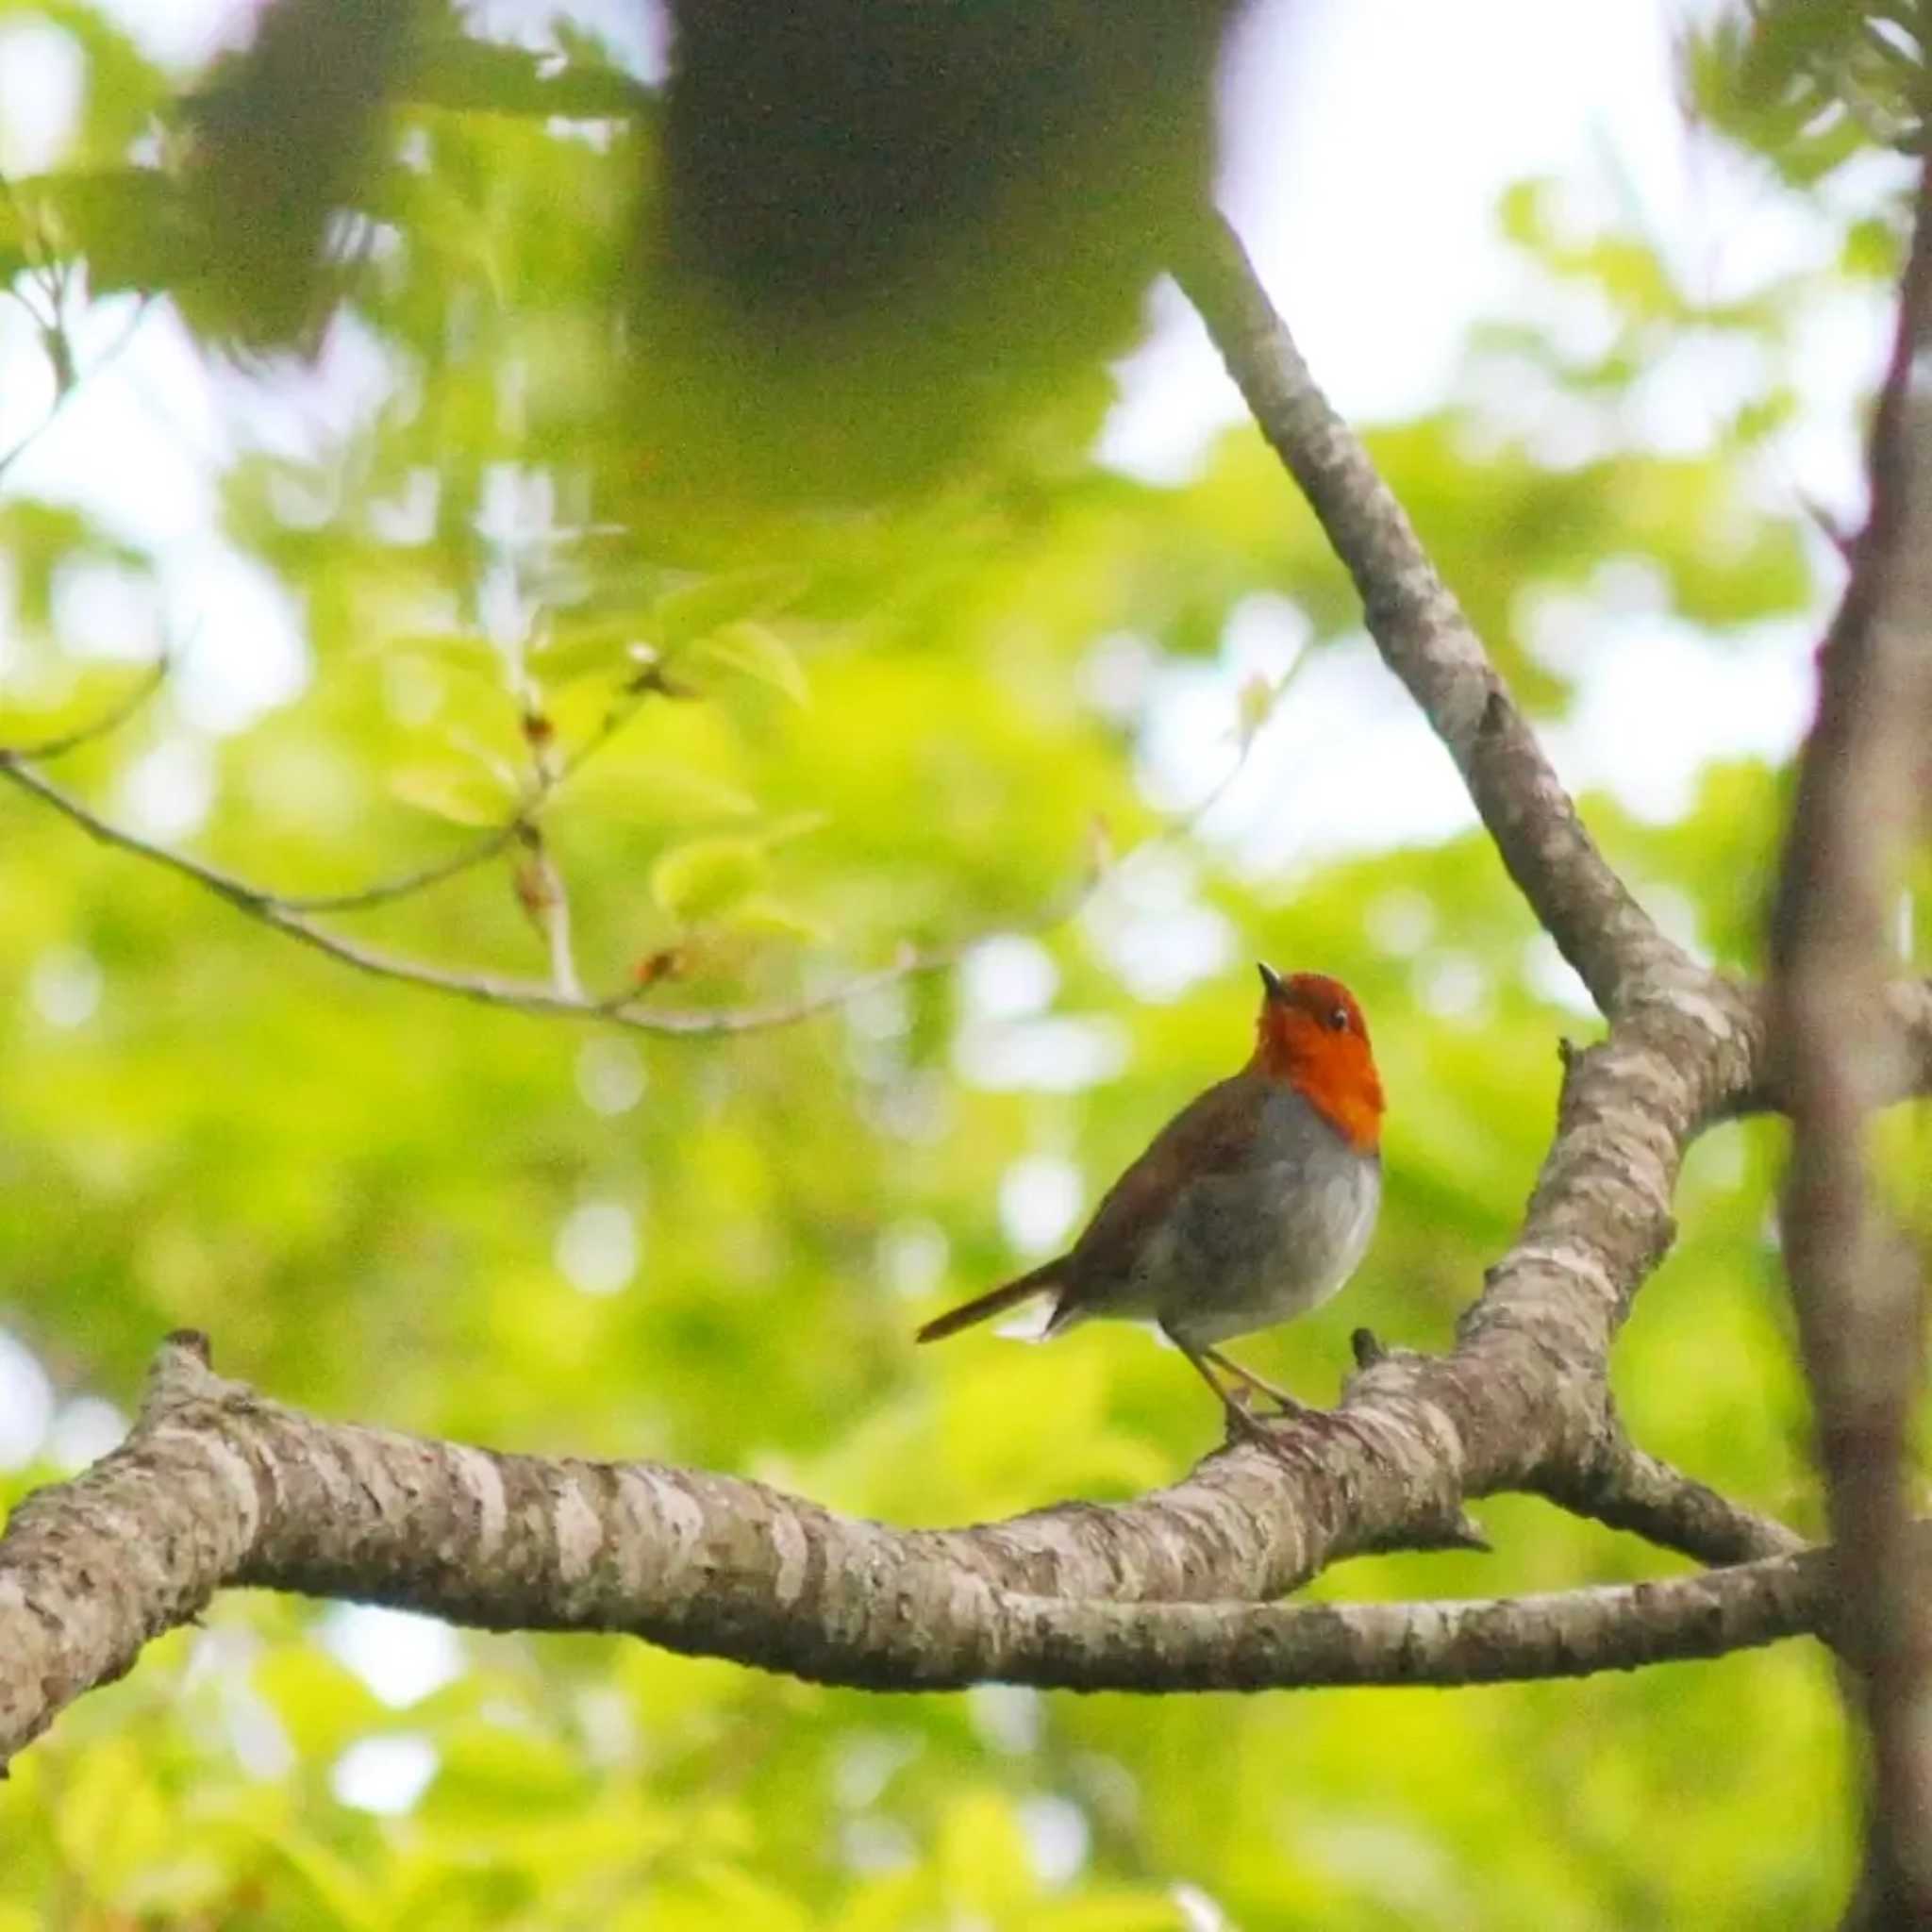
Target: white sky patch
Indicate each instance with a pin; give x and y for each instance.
(42, 72)
(255, 1735)
(1009, 1717)
(106, 609)
(1659, 698)
(879, 1013)
(868, 1763)
(597, 1248)
(871, 1844)
(1008, 978)
(610, 1075)
(386, 1775)
(1354, 90)
(1152, 927)
(1676, 914)
(401, 1656)
(1060, 1055)
(1058, 1838)
(184, 33)
(1346, 765)
(165, 794)
(912, 1256)
(1454, 987)
(63, 986)
(85, 1430)
(1400, 920)
(26, 1402)
(1039, 1196)
(1115, 674)
(242, 650)
(1264, 636)
(1547, 973)
(139, 442)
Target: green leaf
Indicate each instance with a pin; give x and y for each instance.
(656, 790)
(323, 1706)
(469, 794)
(1255, 704)
(752, 651)
(797, 824)
(762, 913)
(128, 222)
(709, 876)
(590, 647)
(693, 611)
(1870, 250)
(457, 70)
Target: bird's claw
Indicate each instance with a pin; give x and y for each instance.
(1245, 1424)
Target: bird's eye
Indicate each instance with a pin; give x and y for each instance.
(1337, 1019)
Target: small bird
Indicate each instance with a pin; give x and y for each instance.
(1252, 1206)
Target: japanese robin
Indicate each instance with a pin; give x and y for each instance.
(1251, 1207)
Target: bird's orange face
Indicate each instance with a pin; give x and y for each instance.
(1311, 1033)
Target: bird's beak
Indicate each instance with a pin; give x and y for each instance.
(1271, 983)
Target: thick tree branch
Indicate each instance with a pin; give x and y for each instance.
(1858, 1288)
(1427, 641)
(218, 1486)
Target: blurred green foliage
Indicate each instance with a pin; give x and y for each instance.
(815, 727)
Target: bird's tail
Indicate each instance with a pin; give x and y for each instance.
(995, 1302)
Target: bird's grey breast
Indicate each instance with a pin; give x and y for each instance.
(1280, 1236)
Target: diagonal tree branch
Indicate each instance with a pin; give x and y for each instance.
(1427, 641)
(1860, 1300)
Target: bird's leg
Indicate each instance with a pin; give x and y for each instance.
(1243, 1423)
(1291, 1405)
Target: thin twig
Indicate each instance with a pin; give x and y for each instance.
(527, 996)
(67, 381)
(490, 843)
(545, 897)
(405, 885)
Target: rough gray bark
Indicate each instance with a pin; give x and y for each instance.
(1860, 1299)
(219, 1487)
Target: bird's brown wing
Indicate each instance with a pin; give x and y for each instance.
(1214, 1134)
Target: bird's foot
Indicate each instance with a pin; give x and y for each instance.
(1243, 1386)
(1284, 1407)
(1245, 1424)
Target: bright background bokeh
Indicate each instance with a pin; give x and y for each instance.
(1613, 364)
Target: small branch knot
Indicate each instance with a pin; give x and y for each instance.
(181, 1372)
